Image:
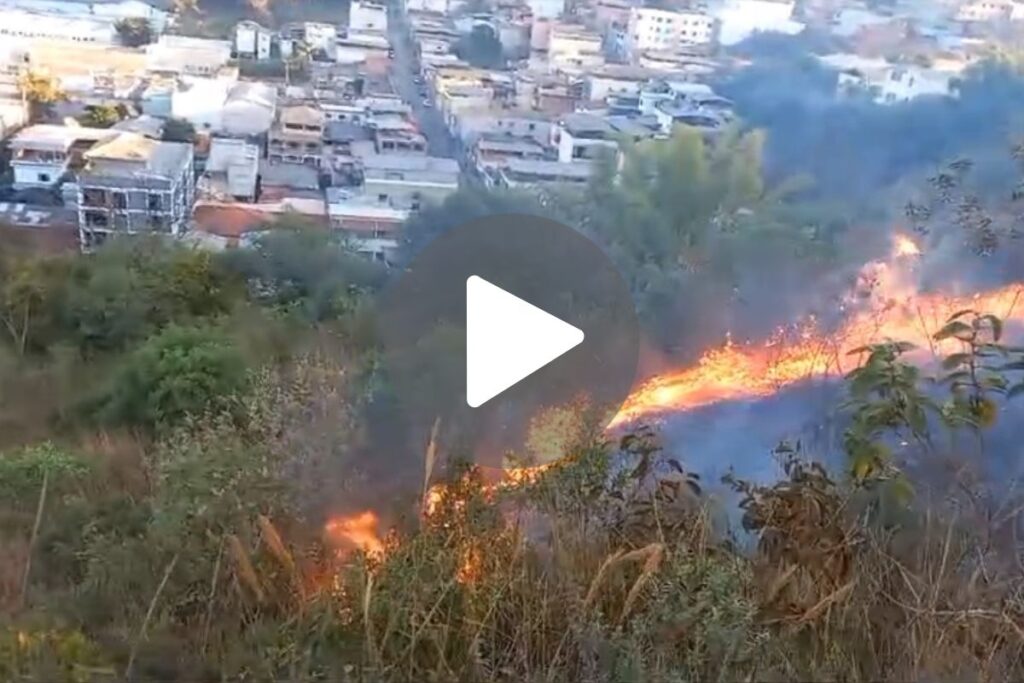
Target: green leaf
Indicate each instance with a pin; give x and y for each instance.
(957, 329)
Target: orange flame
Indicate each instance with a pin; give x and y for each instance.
(356, 532)
(756, 370)
(904, 246)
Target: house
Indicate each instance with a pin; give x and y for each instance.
(345, 143)
(532, 173)
(662, 30)
(232, 170)
(42, 154)
(489, 152)
(889, 83)
(582, 137)
(373, 230)
(184, 55)
(573, 49)
(131, 184)
(253, 41)
(249, 109)
(367, 16)
(198, 100)
(281, 180)
(616, 80)
(515, 123)
(320, 37)
(297, 137)
(405, 182)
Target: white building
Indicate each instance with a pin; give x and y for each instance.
(365, 15)
(662, 30)
(18, 23)
(888, 83)
(249, 109)
(546, 9)
(187, 55)
(253, 41)
(232, 169)
(739, 19)
(200, 101)
(320, 36)
(975, 11)
(40, 155)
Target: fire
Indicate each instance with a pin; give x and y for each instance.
(748, 371)
(356, 532)
(904, 246)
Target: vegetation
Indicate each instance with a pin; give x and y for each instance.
(134, 31)
(179, 130)
(42, 92)
(187, 492)
(103, 115)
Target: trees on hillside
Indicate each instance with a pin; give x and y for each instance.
(481, 48)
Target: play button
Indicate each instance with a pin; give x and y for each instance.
(507, 340)
(497, 327)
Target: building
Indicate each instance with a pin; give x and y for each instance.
(198, 100)
(131, 184)
(533, 173)
(374, 231)
(366, 15)
(546, 9)
(583, 137)
(664, 30)
(740, 19)
(297, 137)
(888, 83)
(232, 170)
(42, 154)
(253, 41)
(249, 109)
(491, 152)
(406, 182)
(616, 80)
(320, 36)
(573, 49)
(184, 55)
(17, 23)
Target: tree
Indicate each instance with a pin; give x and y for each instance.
(134, 31)
(304, 269)
(481, 48)
(41, 91)
(102, 115)
(178, 372)
(179, 130)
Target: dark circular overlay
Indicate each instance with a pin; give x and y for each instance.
(422, 322)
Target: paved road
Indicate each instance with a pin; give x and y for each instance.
(404, 69)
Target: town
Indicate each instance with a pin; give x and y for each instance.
(126, 116)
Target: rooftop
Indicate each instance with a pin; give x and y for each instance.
(160, 158)
(56, 138)
(405, 162)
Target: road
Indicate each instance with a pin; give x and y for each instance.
(404, 69)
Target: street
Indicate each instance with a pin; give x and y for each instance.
(404, 69)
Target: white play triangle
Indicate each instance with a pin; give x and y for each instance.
(507, 340)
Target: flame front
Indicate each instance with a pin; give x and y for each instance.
(356, 532)
(895, 311)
